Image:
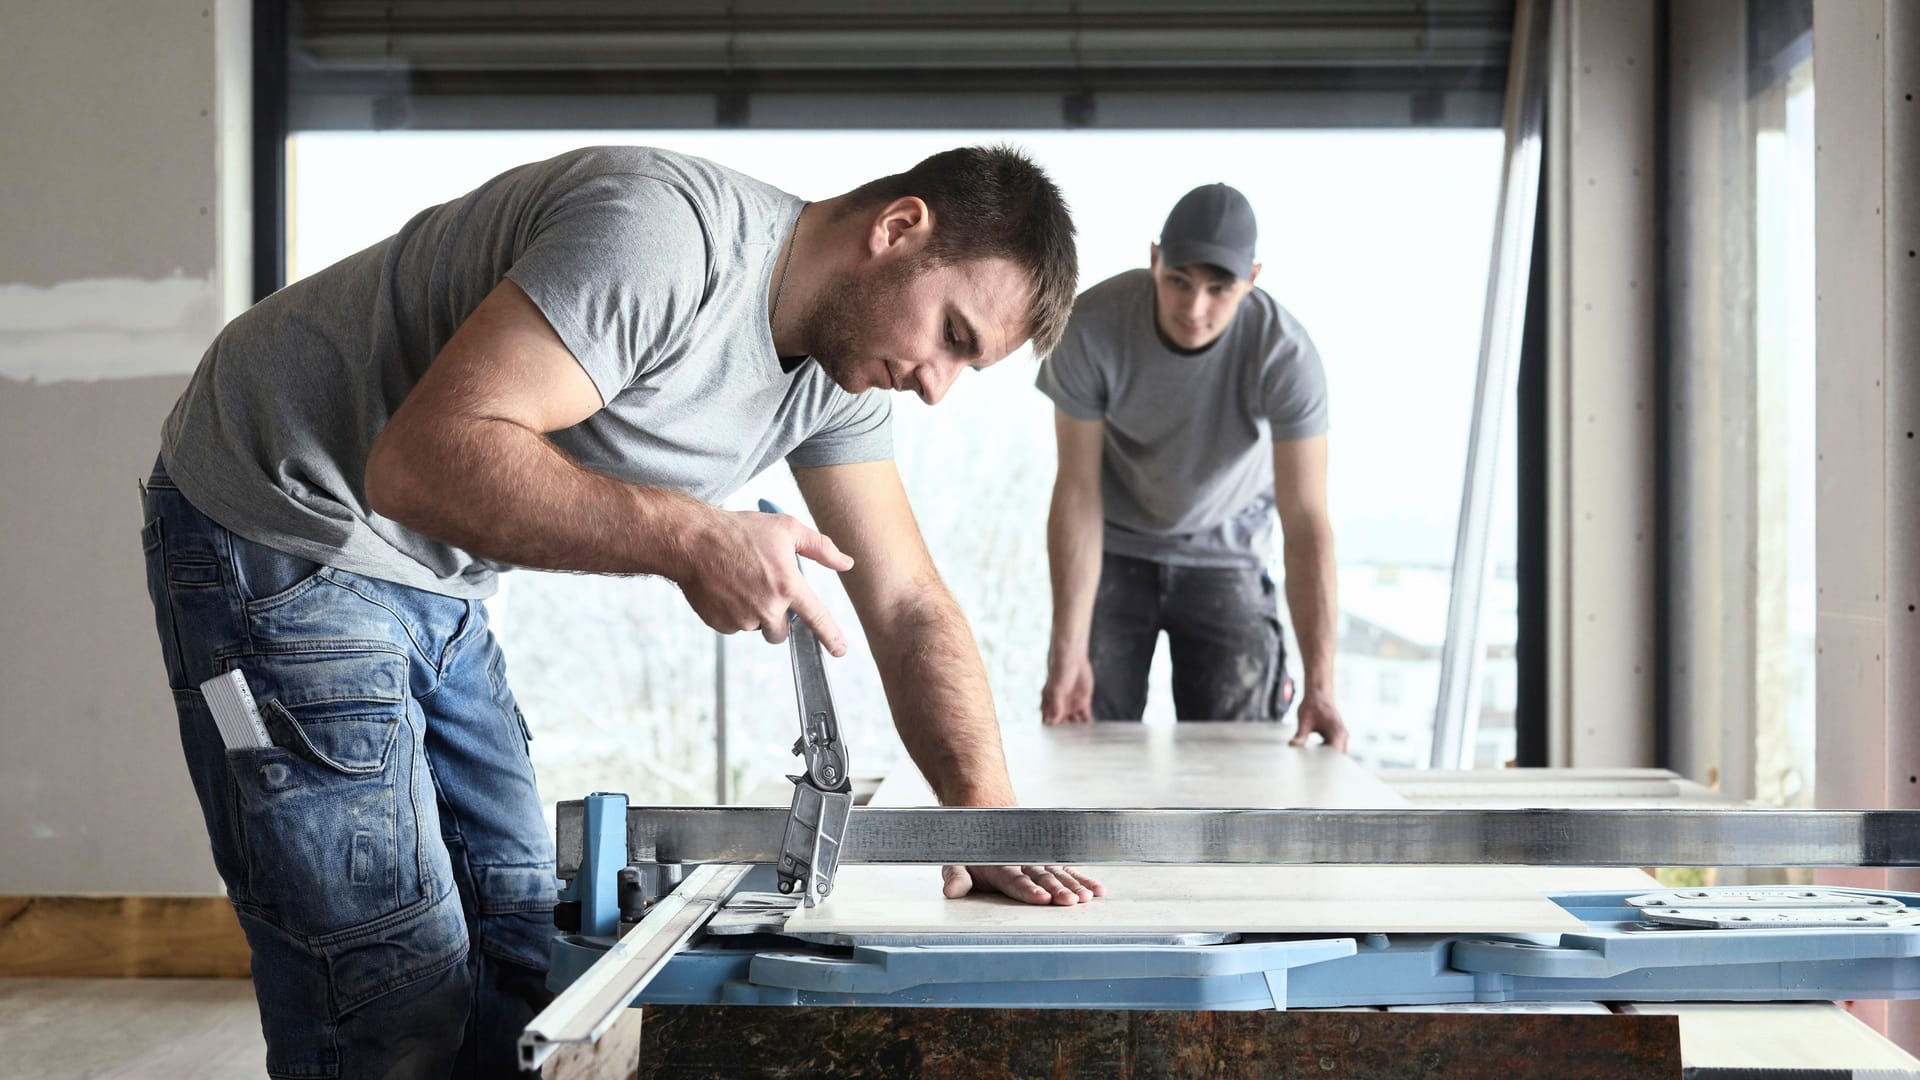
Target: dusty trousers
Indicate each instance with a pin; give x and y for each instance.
(1223, 629)
(387, 853)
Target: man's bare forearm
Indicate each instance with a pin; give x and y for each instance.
(501, 490)
(1312, 601)
(1074, 538)
(940, 699)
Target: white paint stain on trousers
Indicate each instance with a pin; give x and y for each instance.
(106, 328)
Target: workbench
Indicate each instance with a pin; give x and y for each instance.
(1227, 965)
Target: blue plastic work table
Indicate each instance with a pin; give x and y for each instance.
(1765, 945)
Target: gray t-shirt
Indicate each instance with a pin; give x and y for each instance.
(653, 267)
(1187, 473)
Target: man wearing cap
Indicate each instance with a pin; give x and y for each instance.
(1189, 407)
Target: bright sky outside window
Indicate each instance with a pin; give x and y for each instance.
(1377, 240)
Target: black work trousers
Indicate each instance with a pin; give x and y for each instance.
(1229, 655)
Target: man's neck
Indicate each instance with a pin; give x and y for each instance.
(816, 240)
(786, 299)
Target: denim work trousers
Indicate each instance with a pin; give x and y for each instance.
(387, 855)
(1229, 656)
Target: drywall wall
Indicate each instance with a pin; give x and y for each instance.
(120, 257)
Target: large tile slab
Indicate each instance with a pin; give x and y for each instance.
(1182, 899)
(1200, 765)
(1225, 765)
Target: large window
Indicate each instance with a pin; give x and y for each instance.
(1376, 240)
(1784, 439)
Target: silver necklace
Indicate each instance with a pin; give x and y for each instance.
(780, 287)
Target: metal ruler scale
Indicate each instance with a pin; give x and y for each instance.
(1407, 837)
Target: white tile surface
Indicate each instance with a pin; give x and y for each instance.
(1252, 899)
(1226, 765)
(1198, 765)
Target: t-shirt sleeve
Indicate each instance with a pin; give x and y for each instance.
(1293, 387)
(618, 265)
(1071, 374)
(859, 429)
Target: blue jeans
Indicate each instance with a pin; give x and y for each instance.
(1229, 656)
(387, 855)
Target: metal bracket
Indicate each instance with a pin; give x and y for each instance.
(1763, 896)
(810, 846)
(1771, 907)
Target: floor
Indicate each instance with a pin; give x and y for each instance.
(172, 1029)
(122, 1029)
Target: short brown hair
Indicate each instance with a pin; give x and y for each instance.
(993, 202)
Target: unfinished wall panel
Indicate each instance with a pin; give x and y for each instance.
(111, 208)
(1709, 534)
(1602, 166)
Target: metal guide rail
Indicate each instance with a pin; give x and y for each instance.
(588, 1006)
(1546, 837)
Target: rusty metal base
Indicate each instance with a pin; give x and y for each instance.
(681, 1042)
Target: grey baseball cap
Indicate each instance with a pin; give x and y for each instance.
(1211, 224)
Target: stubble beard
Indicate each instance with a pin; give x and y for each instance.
(843, 326)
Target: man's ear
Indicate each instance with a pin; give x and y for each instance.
(1253, 274)
(1153, 256)
(902, 227)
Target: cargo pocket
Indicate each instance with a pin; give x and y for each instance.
(153, 549)
(503, 697)
(516, 912)
(329, 836)
(1280, 688)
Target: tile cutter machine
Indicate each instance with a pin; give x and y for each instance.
(640, 883)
